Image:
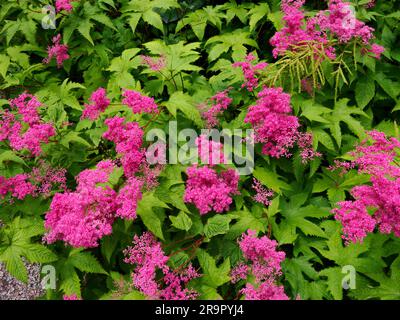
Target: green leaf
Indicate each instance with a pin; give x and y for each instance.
(270, 179)
(145, 210)
(334, 276)
(365, 91)
(213, 276)
(181, 221)
(257, 13)
(235, 41)
(4, 64)
(185, 103)
(85, 262)
(219, 224)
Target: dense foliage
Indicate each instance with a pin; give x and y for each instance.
(83, 84)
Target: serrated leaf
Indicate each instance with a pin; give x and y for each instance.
(219, 224)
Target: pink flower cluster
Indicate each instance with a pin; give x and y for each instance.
(250, 71)
(263, 195)
(14, 131)
(128, 138)
(99, 103)
(148, 257)
(275, 127)
(338, 21)
(209, 190)
(57, 50)
(64, 5)
(264, 264)
(219, 103)
(41, 181)
(83, 217)
(71, 297)
(377, 204)
(153, 64)
(210, 151)
(139, 103)
(128, 198)
(18, 186)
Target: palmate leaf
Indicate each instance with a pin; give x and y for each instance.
(388, 288)
(182, 221)
(135, 10)
(77, 259)
(214, 276)
(365, 91)
(236, 10)
(83, 23)
(337, 252)
(199, 19)
(16, 242)
(336, 185)
(295, 217)
(121, 67)
(270, 179)
(344, 113)
(257, 13)
(295, 270)
(27, 27)
(184, 103)
(179, 56)
(235, 41)
(246, 220)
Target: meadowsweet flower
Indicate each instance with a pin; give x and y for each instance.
(263, 195)
(239, 272)
(99, 103)
(71, 297)
(376, 204)
(83, 217)
(128, 197)
(57, 50)
(209, 190)
(40, 182)
(272, 122)
(341, 22)
(337, 22)
(139, 103)
(27, 106)
(250, 71)
(148, 257)
(64, 5)
(128, 138)
(263, 262)
(219, 103)
(18, 186)
(356, 221)
(376, 50)
(153, 64)
(210, 152)
(31, 138)
(26, 130)
(305, 144)
(266, 290)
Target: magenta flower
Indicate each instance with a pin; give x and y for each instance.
(57, 50)
(139, 103)
(209, 190)
(99, 103)
(250, 71)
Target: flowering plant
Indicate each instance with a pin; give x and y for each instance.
(181, 150)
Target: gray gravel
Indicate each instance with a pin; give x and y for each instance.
(13, 289)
